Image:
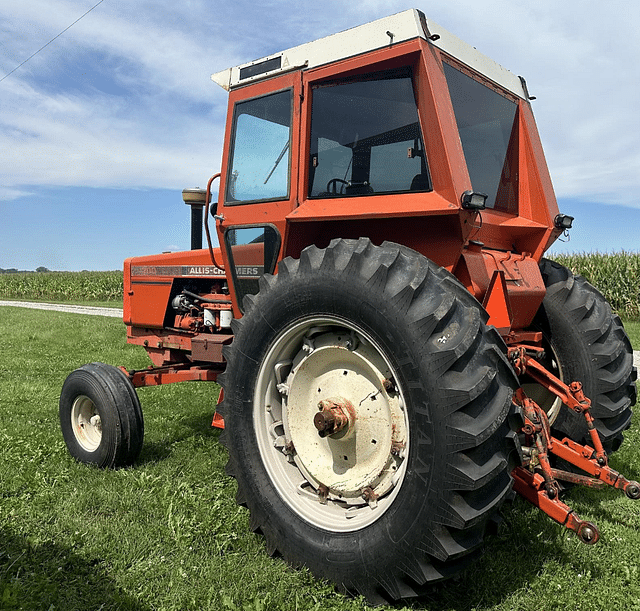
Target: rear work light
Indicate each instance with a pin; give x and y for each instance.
(563, 221)
(472, 200)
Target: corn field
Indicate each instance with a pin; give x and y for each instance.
(616, 276)
(62, 286)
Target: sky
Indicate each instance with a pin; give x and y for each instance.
(102, 129)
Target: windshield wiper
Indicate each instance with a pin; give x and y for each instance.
(278, 160)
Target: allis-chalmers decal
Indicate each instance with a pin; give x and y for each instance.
(172, 271)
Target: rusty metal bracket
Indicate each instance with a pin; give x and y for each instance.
(586, 459)
(571, 395)
(532, 486)
(170, 374)
(536, 480)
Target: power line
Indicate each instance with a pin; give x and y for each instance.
(45, 46)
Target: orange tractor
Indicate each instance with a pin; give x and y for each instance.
(395, 354)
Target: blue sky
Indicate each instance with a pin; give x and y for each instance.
(101, 131)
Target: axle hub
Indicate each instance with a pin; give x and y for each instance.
(333, 416)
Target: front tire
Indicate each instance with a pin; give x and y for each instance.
(402, 494)
(100, 416)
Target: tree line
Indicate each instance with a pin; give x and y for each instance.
(13, 270)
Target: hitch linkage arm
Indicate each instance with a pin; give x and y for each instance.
(536, 480)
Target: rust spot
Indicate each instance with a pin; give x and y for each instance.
(333, 416)
(323, 494)
(397, 447)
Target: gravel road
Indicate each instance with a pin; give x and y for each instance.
(59, 307)
(117, 313)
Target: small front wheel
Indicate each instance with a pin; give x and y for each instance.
(100, 416)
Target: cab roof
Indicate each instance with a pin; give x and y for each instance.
(379, 34)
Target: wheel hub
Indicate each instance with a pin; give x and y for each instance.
(334, 416)
(343, 443)
(86, 423)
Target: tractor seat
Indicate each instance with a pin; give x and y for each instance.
(420, 182)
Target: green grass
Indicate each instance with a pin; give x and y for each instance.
(633, 331)
(168, 535)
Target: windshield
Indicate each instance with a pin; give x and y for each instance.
(366, 138)
(485, 122)
(259, 167)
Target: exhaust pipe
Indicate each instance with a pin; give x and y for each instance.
(196, 199)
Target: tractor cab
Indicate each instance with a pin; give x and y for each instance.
(395, 130)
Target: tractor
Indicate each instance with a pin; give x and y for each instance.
(396, 356)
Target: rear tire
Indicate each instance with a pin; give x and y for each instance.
(100, 416)
(432, 442)
(589, 344)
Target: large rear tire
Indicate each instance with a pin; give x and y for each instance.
(402, 495)
(587, 343)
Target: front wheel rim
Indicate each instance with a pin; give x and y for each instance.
(86, 423)
(345, 480)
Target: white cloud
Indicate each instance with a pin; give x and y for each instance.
(123, 98)
(65, 139)
(8, 194)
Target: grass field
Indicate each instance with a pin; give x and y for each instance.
(633, 331)
(167, 534)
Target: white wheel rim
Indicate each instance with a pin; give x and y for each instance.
(346, 480)
(549, 402)
(86, 424)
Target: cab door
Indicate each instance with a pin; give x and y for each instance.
(258, 187)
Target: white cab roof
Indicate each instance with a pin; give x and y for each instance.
(378, 34)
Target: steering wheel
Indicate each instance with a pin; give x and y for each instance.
(332, 186)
